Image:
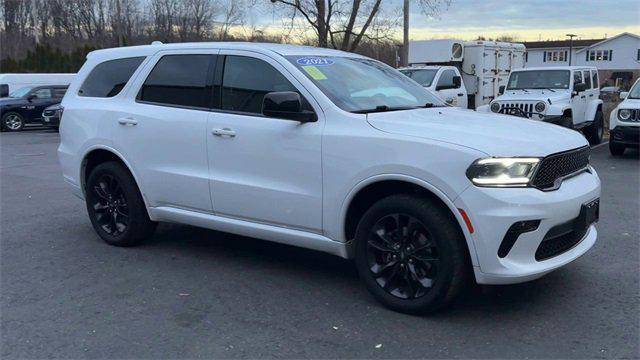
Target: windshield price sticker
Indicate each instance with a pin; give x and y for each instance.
(317, 61)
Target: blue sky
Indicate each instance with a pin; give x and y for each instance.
(525, 19)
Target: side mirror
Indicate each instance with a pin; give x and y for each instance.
(501, 90)
(623, 95)
(579, 87)
(286, 105)
(4, 90)
(31, 97)
(457, 81)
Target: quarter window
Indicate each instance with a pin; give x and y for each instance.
(108, 78)
(182, 80)
(247, 80)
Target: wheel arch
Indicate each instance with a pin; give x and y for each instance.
(375, 188)
(592, 108)
(100, 154)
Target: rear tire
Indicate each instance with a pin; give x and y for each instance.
(411, 254)
(616, 149)
(116, 209)
(595, 131)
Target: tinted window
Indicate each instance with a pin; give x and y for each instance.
(42, 94)
(59, 92)
(109, 77)
(423, 77)
(587, 79)
(245, 82)
(446, 79)
(594, 75)
(181, 80)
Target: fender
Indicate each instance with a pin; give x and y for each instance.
(483, 108)
(125, 162)
(410, 179)
(558, 109)
(592, 108)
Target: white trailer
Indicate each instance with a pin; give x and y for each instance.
(485, 65)
(11, 82)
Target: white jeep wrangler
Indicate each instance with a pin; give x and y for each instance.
(565, 95)
(624, 122)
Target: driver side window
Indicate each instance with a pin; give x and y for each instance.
(446, 80)
(247, 80)
(577, 77)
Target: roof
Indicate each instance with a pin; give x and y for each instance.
(557, 68)
(613, 38)
(282, 49)
(560, 43)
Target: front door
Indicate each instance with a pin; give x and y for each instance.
(161, 129)
(263, 169)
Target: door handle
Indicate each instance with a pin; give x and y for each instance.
(224, 132)
(127, 121)
(461, 94)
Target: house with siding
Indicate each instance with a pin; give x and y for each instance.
(617, 58)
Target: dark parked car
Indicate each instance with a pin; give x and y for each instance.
(51, 116)
(25, 105)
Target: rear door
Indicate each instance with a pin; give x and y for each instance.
(578, 101)
(161, 128)
(263, 169)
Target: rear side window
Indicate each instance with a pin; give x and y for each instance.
(182, 80)
(587, 78)
(594, 78)
(108, 78)
(247, 80)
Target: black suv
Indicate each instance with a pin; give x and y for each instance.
(25, 105)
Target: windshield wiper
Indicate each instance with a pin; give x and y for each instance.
(544, 88)
(525, 90)
(381, 108)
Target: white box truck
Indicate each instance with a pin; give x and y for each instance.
(11, 82)
(484, 65)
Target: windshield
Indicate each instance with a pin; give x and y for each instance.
(635, 91)
(363, 85)
(539, 79)
(20, 92)
(423, 77)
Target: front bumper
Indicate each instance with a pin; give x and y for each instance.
(52, 121)
(493, 211)
(625, 135)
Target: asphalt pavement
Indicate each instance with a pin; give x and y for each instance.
(195, 293)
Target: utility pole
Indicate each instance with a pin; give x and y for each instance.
(405, 37)
(571, 36)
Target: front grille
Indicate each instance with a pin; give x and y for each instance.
(526, 107)
(557, 166)
(563, 237)
(635, 116)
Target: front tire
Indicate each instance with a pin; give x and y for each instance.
(410, 253)
(595, 131)
(115, 206)
(616, 149)
(12, 121)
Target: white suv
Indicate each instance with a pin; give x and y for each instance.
(624, 122)
(330, 151)
(564, 95)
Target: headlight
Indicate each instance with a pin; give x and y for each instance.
(624, 114)
(502, 171)
(540, 107)
(495, 107)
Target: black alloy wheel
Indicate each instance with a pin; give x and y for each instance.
(110, 206)
(402, 257)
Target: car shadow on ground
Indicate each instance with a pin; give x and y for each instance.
(475, 299)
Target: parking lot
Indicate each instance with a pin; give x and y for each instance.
(194, 293)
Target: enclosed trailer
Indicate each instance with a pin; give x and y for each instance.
(485, 65)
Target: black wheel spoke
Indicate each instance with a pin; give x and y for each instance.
(402, 256)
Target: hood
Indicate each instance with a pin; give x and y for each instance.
(533, 95)
(629, 104)
(11, 101)
(493, 134)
